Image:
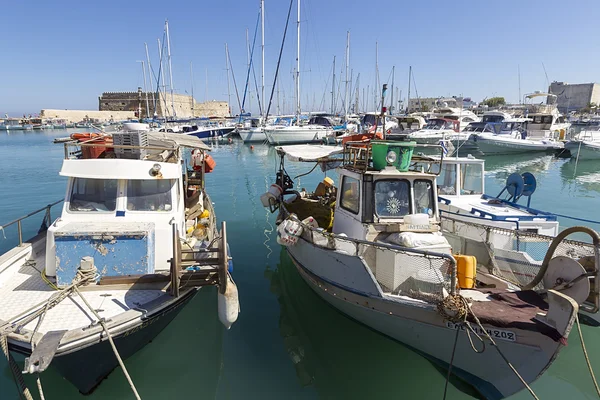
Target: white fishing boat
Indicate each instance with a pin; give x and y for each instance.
(136, 239)
(585, 145)
(372, 248)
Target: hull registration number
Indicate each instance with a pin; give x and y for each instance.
(496, 334)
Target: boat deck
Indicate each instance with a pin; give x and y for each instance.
(22, 287)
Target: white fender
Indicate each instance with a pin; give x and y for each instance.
(228, 304)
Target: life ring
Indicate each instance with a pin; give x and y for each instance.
(82, 137)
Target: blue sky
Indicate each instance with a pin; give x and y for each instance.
(64, 54)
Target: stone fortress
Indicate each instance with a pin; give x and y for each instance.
(118, 106)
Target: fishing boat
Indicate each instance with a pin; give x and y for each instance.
(136, 240)
(372, 247)
(585, 145)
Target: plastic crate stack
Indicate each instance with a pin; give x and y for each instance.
(135, 138)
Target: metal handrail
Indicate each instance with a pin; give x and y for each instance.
(18, 220)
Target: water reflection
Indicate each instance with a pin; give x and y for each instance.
(341, 358)
(583, 174)
(504, 165)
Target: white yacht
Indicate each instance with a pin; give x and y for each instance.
(438, 129)
(464, 117)
(316, 130)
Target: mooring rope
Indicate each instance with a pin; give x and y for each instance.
(112, 344)
(587, 358)
(456, 308)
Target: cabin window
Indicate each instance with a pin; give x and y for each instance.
(446, 180)
(471, 179)
(392, 198)
(93, 195)
(149, 195)
(423, 190)
(350, 194)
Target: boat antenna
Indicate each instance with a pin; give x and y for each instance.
(519, 72)
(545, 73)
(347, 81)
(192, 78)
(279, 59)
(392, 96)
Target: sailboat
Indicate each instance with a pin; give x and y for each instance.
(297, 133)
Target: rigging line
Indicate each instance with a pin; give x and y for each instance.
(234, 83)
(287, 22)
(258, 98)
(251, 61)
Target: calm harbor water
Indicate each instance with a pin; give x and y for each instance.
(287, 342)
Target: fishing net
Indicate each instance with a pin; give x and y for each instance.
(513, 255)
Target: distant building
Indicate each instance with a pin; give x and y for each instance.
(429, 103)
(574, 97)
(180, 106)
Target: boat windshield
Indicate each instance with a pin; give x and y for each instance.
(93, 195)
(446, 180)
(423, 190)
(149, 195)
(471, 179)
(435, 124)
(392, 198)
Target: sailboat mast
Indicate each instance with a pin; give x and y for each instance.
(150, 77)
(346, 106)
(333, 89)
(376, 74)
(170, 67)
(392, 96)
(228, 86)
(298, 68)
(192, 78)
(262, 31)
(162, 76)
(408, 98)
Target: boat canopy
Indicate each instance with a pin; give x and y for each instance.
(309, 153)
(177, 139)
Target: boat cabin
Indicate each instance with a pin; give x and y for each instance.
(461, 189)
(123, 206)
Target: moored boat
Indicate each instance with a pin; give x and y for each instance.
(372, 248)
(136, 239)
(585, 145)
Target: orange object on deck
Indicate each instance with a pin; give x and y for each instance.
(98, 140)
(466, 270)
(361, 137)
(209, 163)
(82, 137)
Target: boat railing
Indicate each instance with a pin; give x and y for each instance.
(358, 155)
(442, 265)
(47, 219)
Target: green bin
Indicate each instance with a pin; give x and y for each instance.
(403, 150)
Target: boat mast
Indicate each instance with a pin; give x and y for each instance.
(170, 67)
(392, 96)
(150, 76)
(333, 89)
(228, 86)
(376, 74)
(347, 81)
(298, 69)
(162, 76)
(248, 78)
(408, 98)
(146, 91)
(262, 31)
(519, 72)
(192, 78)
